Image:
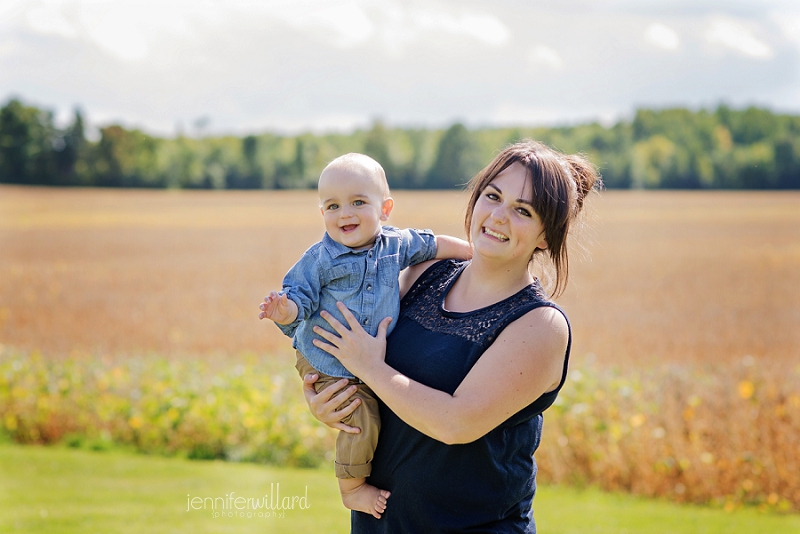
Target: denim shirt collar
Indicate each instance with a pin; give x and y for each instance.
(336, 249)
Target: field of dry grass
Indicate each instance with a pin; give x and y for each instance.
(666, 276)
(686, 374)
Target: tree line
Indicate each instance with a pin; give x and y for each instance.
(722, 148)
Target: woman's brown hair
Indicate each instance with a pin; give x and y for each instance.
(560, 183)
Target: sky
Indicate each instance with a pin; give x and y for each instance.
(205, 67)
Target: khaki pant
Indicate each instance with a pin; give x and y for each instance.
(354, 452)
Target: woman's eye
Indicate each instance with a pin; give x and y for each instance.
(492, 196)
(524, 212)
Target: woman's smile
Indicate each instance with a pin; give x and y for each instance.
(496, 235)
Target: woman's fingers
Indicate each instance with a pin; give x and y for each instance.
(334, 322)
(339, 415)
(344, 412)
(324, 334)
(328, 399)
(308, 385)
(348, 315)
(330, 348)
(337, 325)
(325, 393)
(323, 405)
(340, 398)
(383, 328)
(346, 428)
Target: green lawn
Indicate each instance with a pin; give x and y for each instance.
(59, 490)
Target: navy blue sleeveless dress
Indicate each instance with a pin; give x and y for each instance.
(485, 486)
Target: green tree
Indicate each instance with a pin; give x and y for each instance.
(125, 158)
(652, 160)
(14, 139)
(787, 162)
(753, 125)
(26, 144)
(456, 160)
(250, 176)
(756, 166)
(421, 151)
(376, 146)
(70, 148)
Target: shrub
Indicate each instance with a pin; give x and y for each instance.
(244, 410)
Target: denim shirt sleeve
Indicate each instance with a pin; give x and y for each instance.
(302, 284)
(417, 246)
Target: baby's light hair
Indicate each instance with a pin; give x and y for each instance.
(360, 163)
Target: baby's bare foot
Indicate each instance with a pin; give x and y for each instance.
(364, 498)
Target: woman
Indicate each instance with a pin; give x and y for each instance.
(477, 354)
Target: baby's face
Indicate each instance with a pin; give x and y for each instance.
(353, 206)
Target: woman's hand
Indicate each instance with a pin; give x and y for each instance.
(323, 405)
(354, 347)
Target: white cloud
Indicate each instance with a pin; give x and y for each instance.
(395, 30)
(347, 22)
(662, 36)
(48, 20)
(543, 55)
(118, 31)
(125, 29)
(9, 9)
(8, 48)
(789, 24)
(737, 37)
(485, 28)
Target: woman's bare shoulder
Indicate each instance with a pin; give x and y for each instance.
(544, 324)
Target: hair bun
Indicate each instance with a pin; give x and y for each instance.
(585, 175)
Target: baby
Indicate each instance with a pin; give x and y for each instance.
(357, 262)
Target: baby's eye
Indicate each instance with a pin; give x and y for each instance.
(358, 203)
(332, 207)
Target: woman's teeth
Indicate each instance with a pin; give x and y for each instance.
(494, 234)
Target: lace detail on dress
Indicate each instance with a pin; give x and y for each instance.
(423, 305)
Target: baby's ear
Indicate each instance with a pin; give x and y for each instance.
(386, 208)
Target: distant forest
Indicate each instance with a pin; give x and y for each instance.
(677, 148)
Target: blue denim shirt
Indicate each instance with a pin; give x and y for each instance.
(364, 280)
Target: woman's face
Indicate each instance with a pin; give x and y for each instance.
(504, 225)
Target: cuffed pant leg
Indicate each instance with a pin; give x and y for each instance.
(354, 452)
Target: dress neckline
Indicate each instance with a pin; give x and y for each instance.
(454, 314)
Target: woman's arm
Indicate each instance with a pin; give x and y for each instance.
(524, 362)
(452, 247)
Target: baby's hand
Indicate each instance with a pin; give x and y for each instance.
(279, 308)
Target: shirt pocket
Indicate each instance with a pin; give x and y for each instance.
(389, 270)
(342, 277)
